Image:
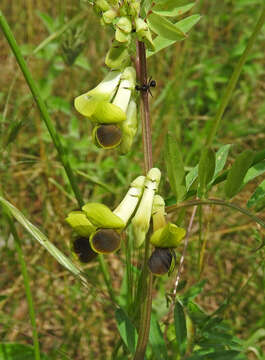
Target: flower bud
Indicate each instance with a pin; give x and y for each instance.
(80, 223)
(122, 37)
(102, 217)
(103, 5)
(160, 261)
(143, 33)
(109, 16)
(107, 136)
(82, 248)
(124, 24)
(118, 56)
(105, 241)
(141, 220)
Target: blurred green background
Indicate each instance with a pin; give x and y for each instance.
(191, 77)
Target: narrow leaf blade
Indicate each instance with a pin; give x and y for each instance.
(172, 8)
(164, 28)
(258, 195)
(237, 173)
(127, 330)
(206, 168)
(180, 327)
(220, 159)
(157, 341)
(44, 241)
(175, 167)
(184, 25)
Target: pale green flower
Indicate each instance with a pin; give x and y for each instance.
(141, 220)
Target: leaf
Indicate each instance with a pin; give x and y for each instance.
(172, 8)
(44, 241)
(255, 170)
(47, 20)
(237, 173)
(175, 167)
(192, 292)
(220, 159)
(127, 330)
(13, 131)
(206, 168)
(184, 25)
(191, 177)
(165, 28)
(15, 351)
(157, 341)
(180, 327)
(258, 195)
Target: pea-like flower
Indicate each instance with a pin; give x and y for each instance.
(107, 105)
(141, 220)
(102, 226)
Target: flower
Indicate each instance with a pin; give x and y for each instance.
(141, 220)
(108, 105)
(161, 261)
(102, 226)
(165, 235)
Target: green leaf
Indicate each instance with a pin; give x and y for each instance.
(180, 327)
(15, 351)
(47, 20)
(206, 168)
(258, 195)
(157, 341)
(44, 241)
(237, 173)
(127, 330)
(191, 177)
(255, 170)
(175, 167)
(193, 291)
(172, 7)
(184, 25)
(164, 28)
(220, 159)
(13, 131)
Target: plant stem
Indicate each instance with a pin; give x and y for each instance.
(41, 105)
(146, 278)
(145, 113)
(234, 79)
(49, 124)
(27, 287)
(173, 208)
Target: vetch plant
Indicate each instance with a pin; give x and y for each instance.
(141, 29)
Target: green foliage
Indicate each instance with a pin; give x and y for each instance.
(16, 351)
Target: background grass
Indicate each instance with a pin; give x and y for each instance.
(191, 76)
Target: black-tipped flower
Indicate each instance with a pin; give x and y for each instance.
(105, 241)
(107, 136)
(160, 261)
(82, 248)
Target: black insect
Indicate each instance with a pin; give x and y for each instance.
(146, 87)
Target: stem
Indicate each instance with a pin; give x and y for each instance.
(49, 124)
(145, 113)
(27, 287)
(41, 105)
(234, 79)
(173, 208)
(147, 278)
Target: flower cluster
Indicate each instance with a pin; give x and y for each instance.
(112, 110)
(98, 229)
